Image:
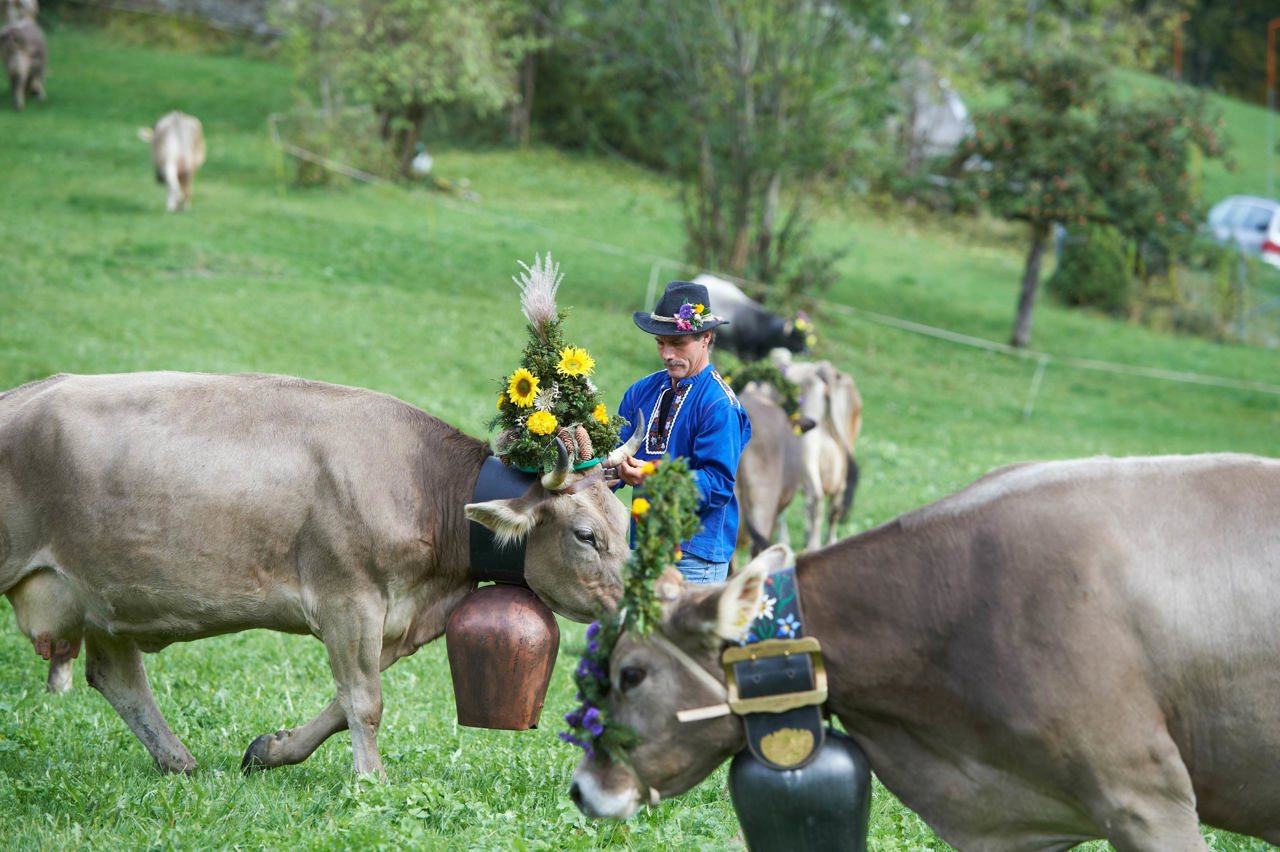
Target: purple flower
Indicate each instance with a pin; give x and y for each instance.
(574, 718)
(685, 312)
(594, 630)
(683, 325)
(593, 722)
(593, 647)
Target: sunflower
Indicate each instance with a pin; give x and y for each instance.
(523, 387)
(600, 414)
(575, 362)
(542, 423)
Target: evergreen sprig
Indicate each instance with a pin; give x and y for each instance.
(767, 373)
(665, 515)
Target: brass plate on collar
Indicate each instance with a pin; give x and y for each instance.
(787, 747)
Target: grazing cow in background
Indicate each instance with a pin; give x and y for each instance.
(752, 330)
(144, 509)
(22, 46)
(829, 467)
(177, 151)
(1061, 651)
(771, 467)
(20, 10)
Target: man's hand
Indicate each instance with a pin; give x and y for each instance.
(633, 471)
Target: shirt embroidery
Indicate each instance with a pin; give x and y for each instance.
(655, 439)
(724, 386)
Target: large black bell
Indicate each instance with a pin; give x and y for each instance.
(823, 806)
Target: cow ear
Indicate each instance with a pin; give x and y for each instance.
(743, 596)
(510, 520)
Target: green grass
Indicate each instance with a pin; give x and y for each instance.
(410, 293)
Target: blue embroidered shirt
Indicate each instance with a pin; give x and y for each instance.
(708, 427)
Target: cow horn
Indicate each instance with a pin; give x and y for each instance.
(629, 448)
(554, 480)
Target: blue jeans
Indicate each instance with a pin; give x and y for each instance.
(698, 570)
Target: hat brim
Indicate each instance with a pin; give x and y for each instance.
(645, 322)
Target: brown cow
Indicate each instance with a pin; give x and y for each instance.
(144, 509)
(1061, 651)
(771, 467)
(22, 46)
(177, 152)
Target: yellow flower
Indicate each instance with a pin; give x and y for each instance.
(542, 423)
(575, 362)
(698, 309)
(501, 397)
(600, 414)
(523, 388)
(639, 506)
(648, 467)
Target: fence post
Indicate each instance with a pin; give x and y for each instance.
(1034, 390)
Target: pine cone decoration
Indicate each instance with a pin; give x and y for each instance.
(566, 436)
(585, 452)
(504, 440)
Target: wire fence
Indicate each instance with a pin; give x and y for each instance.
(657, 264)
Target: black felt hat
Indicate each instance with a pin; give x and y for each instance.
(672, 317)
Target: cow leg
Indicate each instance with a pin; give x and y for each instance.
(353, 638)
(287, 747)
(113, 666)
(184, 183)
(813, 499)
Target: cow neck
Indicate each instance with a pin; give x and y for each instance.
(775, 680)
(487, 560)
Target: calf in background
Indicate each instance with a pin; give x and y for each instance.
(22, 47)
(177, 150)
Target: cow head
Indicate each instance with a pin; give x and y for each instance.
(574, 531)
(654, 677)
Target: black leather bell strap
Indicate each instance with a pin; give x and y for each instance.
(497, 481)
(777, 681)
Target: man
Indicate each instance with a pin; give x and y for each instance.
(691, 413)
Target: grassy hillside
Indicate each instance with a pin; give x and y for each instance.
(410, 292)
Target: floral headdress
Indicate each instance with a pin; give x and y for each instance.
(550, 395)
(666, 516)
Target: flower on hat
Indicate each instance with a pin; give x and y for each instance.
(522, 389)
(689, 317)
(575, 362)
(541, 423)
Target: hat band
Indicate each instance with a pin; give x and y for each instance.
(704, 317)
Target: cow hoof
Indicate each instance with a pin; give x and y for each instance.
(255, 755)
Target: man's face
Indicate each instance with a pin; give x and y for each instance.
(684, 355)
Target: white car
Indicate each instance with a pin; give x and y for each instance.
(1250, 222)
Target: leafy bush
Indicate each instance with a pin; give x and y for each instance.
(1093, 271)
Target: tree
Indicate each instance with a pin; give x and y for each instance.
(1067, 149)
(409, 57)
(1028, 161)
(752, 104)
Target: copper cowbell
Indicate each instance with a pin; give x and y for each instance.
(502, 639)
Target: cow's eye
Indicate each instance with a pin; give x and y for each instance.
(631, 677)
(585, 536)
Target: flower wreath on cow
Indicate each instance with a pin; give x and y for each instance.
(550, 395)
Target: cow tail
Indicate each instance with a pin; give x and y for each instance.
(850, 486)
(758, 541)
